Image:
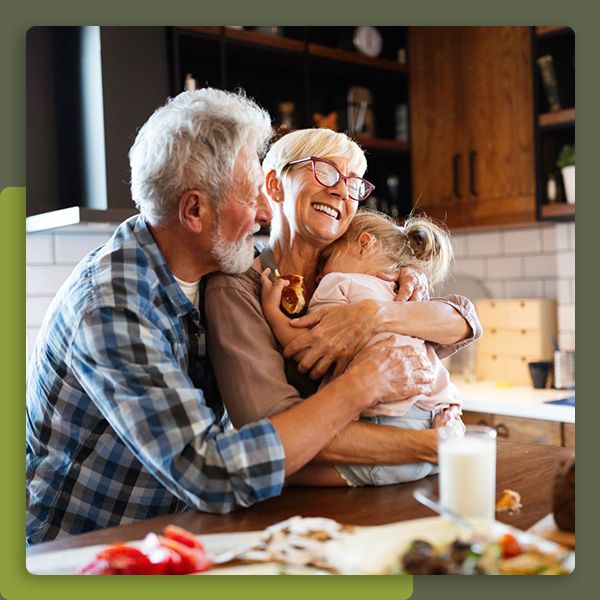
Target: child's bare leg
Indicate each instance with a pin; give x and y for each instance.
(317, 475)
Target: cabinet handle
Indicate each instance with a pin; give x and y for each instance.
(472, 159)
(455, 175)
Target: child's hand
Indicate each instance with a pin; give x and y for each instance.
(450, 417)
(270, 295)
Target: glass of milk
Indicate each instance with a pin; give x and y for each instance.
(468, 471)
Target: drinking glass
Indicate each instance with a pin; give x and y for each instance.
(468, 471)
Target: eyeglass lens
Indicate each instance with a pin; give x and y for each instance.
(328, 176)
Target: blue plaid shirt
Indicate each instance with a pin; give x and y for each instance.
(116, 429)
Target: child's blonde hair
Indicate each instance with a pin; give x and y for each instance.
(420, 242)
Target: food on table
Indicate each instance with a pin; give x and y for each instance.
(298, 541)
(176, 552)
(505, 556)
(563, 500)
(292, 296)
(510, 501)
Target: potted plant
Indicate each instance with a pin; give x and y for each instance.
(566, 163)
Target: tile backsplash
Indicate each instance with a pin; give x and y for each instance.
(536, 262)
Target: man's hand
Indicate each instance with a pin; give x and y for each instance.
(335, 335)
(270, 295)
(412, 285)
(393, 373)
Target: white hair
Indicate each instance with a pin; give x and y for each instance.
(192, 143)
(323, 143)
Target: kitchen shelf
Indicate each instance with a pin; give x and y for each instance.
(283, 43)
(559, 117)
(371, 143)
(559, 209)
(546, 30)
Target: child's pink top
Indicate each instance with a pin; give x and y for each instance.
(350, 288)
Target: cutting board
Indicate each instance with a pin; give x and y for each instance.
(546, 528)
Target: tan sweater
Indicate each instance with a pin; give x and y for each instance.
(254, 379)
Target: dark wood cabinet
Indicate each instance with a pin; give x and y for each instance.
(472, 124)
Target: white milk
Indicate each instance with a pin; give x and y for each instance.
(468, 475)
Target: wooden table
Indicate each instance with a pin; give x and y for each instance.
(526, 468)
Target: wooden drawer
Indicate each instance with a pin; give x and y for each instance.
(568, 435)
(525, 313)
(498, 367)
(517, 429)
(528, 430)
(529, 342)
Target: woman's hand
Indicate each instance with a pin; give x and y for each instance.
(393, 373)
(335, 335)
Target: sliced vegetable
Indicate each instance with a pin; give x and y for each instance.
(183, 536)
(510, 546)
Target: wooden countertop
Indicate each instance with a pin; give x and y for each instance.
(526, 468)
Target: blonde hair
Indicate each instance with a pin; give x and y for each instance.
(323, 143)
(420, 242)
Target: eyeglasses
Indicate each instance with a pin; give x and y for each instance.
(328, 175)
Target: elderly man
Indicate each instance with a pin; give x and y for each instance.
(118, 425)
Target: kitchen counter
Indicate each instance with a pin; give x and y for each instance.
(515, 401)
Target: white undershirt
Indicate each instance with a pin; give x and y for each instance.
(191, 290)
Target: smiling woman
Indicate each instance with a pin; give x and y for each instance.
(314, 180)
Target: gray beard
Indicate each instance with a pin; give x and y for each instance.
(232, 257)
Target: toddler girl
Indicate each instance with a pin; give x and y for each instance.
(353, 269)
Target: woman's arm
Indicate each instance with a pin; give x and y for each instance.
(336, 335)
(250, 372)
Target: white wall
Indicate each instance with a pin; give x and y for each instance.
(536, 262)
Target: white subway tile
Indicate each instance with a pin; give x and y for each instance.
(39, 249)
(504, 268)
(540, 265)
(524, 288)
(523, 241)
(565, 262)
(571, 227)
(551, 288)
(549, 238)
(70, 248)
(566, 317)
(470, 266)
(572, 291)
(565, 291)
(562, 241)
(46, 280)
(32, 333)
(566, 340)
(496, 288)
(485, 244)
(459, 242)
(35, 309)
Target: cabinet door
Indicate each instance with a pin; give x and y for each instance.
(438, 130)
(498, 94)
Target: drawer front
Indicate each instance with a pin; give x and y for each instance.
(477, 418)
(530, 314)
(529, 430)
(497, 367)
(529, 342)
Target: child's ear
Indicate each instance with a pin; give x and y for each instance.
(274, 186)
(365, 240)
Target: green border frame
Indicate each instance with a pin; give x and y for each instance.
(14, 581)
